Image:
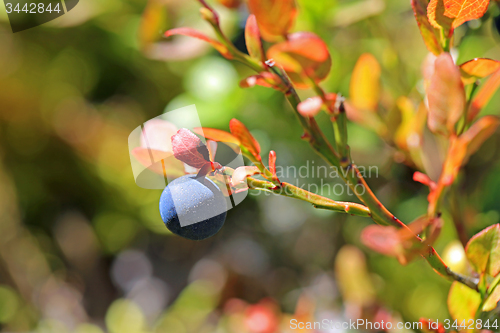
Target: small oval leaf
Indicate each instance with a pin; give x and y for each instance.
(189, 149)
(478, 68)
(304, 57)
(446, 96)
(483, 251)
(428, 32)
(364, 89)
(223, 50)
(252, 39)
(247, 141)
(274, 17)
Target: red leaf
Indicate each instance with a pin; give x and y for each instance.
(432, 326)
(446, 96)
(223, 50)
(264, 79)
(382, 239)
(310, 107)
(303, 56)
(247, 141)
(231, 4)
(274, 17)
(428, 32)
(424, 179)
(460, 150)
(478, 68)
(484, 95)
(464, 10)
(272, 162)
(189, 149)
(252, 39)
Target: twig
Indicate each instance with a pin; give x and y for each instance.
(318, 201)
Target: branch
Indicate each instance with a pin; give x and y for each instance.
(318, 201)
(378, 212)
(374, 208)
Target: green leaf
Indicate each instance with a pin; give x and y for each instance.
(463, 302)
(483, 251)
(428, 32)
(492, 300)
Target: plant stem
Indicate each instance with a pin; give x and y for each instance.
(318, 201)
(457, 217)
(353, 177)
(350, 173)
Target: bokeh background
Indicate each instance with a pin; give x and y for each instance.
(83, 249)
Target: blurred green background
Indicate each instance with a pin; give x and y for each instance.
(83, 249)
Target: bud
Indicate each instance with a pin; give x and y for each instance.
(209, 16)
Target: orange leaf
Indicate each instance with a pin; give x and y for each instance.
(153, 21)
(272, 162)
(231, 4)
(461, 148)
(484, 95)
(216, 135)
(478, 68)
(303, 56)
(435, 14)
(479, 132)
(274, 17)
(364, 88)
(424, 179)
(223, 50)
(446, 96)
(264, 79)
(252, 39)
(432, 326)
(464, 10)
(246, 139)
(428, 32)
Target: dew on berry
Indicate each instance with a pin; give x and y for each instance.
(193, 207)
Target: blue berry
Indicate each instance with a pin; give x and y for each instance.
(195, 202)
